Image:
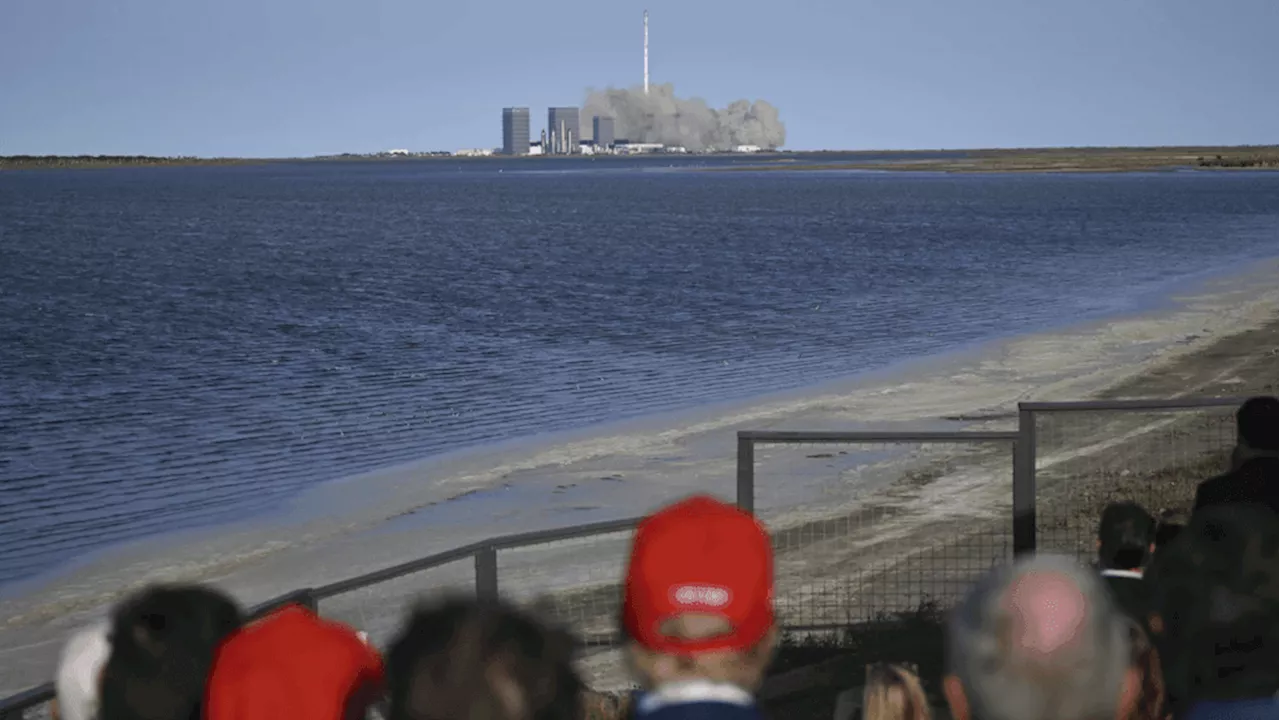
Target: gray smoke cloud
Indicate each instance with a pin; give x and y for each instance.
(661, 117)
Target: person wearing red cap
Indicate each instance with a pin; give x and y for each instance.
(697, 610)
(294, 665)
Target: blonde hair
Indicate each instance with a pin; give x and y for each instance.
(893, 692)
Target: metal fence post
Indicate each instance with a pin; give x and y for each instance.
(746, 473)
(1024, 484)
(487, 573)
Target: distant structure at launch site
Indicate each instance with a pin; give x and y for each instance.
(650, 118)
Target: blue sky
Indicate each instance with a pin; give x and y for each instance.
(305, 77)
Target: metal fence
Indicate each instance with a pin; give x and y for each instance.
(1084, 455)
(889, 522)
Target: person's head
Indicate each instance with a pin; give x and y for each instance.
(1214, 606)
(894, 693)
(294, 665)
(1256, 423)
(1146, 661)
(162, 644)
(1039, 640)
(463, 659)
(1171, 523)
(78, 681)
(1126, 536)
(698, 596)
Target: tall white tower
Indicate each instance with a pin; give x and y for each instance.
(646, 52)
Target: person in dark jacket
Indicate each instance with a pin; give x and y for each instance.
(697, 612)
(1126, 539)
(1253, 477)
(1214, 615)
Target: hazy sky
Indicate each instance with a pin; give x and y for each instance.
(306, 77)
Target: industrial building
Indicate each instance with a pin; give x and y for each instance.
(563, 130)
(515, 131)
(602, 131)
(563, 134)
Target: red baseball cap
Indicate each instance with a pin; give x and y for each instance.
(293, 665)
(699, 555)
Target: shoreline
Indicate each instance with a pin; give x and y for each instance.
(625, 473)
(975, 160)
(1055, 160)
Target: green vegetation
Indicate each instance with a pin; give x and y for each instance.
(1260, 160)
(1017, 160)
(15, 162)
(1052, 160)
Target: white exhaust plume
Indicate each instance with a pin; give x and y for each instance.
(658, 116)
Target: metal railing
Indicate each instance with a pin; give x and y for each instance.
(1082, 455)
(14, 706)
(1034, 451)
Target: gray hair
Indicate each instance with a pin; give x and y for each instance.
(1080, 678)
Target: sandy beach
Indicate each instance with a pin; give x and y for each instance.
(883, 526)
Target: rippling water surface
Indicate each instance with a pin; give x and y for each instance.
(186, 346)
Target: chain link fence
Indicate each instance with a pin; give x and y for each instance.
(867, 525)
(1091, 454)
(864, 525)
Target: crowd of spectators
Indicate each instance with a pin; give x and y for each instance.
(1179, 620)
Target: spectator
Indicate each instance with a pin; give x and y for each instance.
(79, 677)
(1126, 540)
(697, 611)
(293, 665)
(1214, 604)
(468, 660)
(1144, 658)
(1253, 477)
(1040, 640)
(162, 645)
(894, 693)
(1171, 523)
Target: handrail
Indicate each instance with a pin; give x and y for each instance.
(923, 436)
(12, 706)
(1190, 403)
(502, 542)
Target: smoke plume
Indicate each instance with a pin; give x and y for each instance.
(661, 117)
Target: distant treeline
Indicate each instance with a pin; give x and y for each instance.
(106, 160)
(1249, 161)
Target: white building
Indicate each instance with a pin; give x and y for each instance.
(535, 148)
(747, 149)
(475, 152)
(397, 152)
(633, 148)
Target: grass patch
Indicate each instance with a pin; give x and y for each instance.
(1056, 160)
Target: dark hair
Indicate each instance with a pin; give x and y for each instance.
(1146, 660)
(465, 659)
(1125, 535)
(162, 644)
(1214, 592)
(1166, 532)
(1170, 523)
(1256, 422)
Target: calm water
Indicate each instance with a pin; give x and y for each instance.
(187, 346)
